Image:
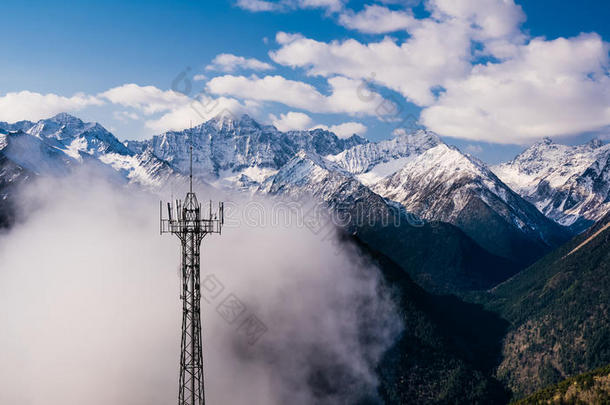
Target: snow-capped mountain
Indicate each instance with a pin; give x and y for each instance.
(443, 184)
(230, 151)
(11, 176)
(415, 170)
(479, 222)
(71, 135)
(57, 145)
(371, 162)
(438, 256)
(570, 184)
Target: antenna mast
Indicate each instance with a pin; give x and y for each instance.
(191, 172)
(186, 221)
(191, 156)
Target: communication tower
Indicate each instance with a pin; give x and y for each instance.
(186, 220)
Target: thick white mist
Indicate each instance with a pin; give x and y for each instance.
(90, 313)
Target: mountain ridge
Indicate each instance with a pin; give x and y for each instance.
(569, 184)
(446, 185)
(58, 145)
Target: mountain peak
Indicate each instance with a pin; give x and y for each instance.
(375, 160)
(228, 121)
(595, 143)
(419, 137)
(64, 118)
(303, 155)
(556, 178)
(223, 120)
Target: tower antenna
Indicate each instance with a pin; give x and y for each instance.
(191, 175)
(191, 157)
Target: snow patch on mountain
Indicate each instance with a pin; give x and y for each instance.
(3, 140)
(381, 170)
(373, 161)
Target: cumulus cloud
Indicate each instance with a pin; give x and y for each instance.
(531, 88)
(96, 320)
(489, 19)
(439, 48)
(375, 19)
(257, 5)
(346, 129)
(468, 64)
(550, 88)
(27, 105)
(330, 5)
(435, 53)
(291, 121)
(344, 97)
(149, 99)
(227, 62)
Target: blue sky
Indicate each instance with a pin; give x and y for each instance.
(58, 49)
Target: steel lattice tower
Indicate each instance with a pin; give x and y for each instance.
(186, 221)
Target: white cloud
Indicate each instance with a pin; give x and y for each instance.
(435, 53)
(200, 78)
(148, 99)
(291, 121)
(227, 62)
(532, 87)
(128, 306)
(27, 105)
(549, 88)
(346, 129)
(257, 5)
(330, 5)
(489, 19)
(344, 97)
(494, 24)
(375, 19)
(439, 48)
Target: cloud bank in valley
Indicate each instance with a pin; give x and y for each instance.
(91, 314)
